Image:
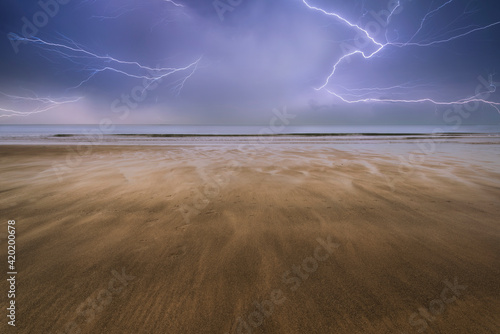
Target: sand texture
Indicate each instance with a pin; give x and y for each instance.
(288, 238)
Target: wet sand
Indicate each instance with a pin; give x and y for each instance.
(280, 238)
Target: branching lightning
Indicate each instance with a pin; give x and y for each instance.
(446, 40)
(92, 64)
(76, 54)
(42, 104)
(131, 69)
(428, 15)
(475, 98)
(381, 46)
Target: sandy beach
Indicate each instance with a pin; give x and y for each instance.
(243, 237)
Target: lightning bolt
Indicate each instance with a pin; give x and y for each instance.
(367, 91)
(132, 69)
(390, 17)
(174, 3)
(394, 11)
(468, 100)
(429, 14)
(78, 55)
(179, 83)
(43, 104)
(381, 46)
(446, 40)
(173, 12)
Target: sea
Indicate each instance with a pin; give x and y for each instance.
(8, 130)
(189, 135)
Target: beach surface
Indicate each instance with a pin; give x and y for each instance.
(243, 235)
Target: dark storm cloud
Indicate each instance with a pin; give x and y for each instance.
(256, 56)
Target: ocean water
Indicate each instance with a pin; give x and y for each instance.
(37, 131)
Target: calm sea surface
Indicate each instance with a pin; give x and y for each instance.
(51, 130)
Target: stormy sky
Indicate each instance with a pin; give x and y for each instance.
(234, 61)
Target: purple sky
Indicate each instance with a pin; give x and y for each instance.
(233, 62)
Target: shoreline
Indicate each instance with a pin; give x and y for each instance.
(98, 139)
